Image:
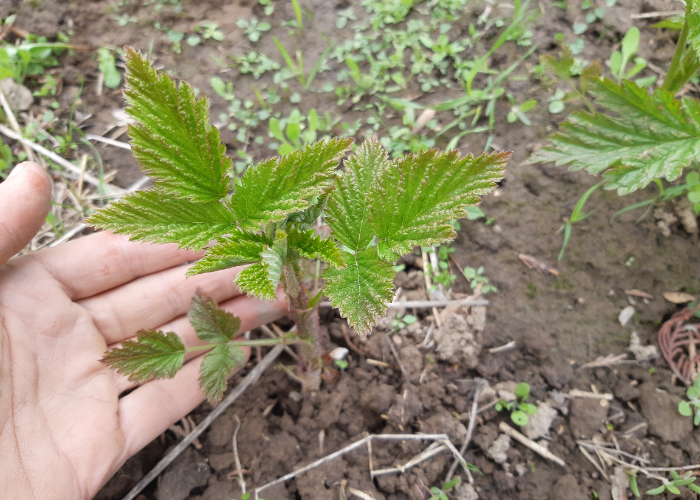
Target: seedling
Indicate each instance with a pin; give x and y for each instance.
(441, 493)
(692, 406)
(476, 276)
(107, 66)
(253, 28)
(672, 486)
(401, 322)
(269, 7)
(519, 409)
(377, 209)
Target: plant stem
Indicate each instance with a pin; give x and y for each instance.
(308, 327)
(678, 54)
(252, 343)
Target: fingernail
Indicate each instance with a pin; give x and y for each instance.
(15, 171)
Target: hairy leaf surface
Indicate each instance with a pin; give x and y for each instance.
(173, 141)
(254, 280)
(211, 323)
(276, 187)
(274, 258)
(418, 195)
(148, 216)
(153, 354)
(654, 136)
(216, 368)
(238, 249)
(361, 290)
(308, 245)
(349, 205)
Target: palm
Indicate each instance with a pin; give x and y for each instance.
(64, 430)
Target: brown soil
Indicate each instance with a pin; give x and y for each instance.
(559, 323)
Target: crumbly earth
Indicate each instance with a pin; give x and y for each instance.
(559, 323)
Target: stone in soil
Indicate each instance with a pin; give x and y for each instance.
(660, 410)
(587, 416)
(457, 342)
(538, 424)
(465, 491)
(498, 450)
(187, 472)
(567, 488)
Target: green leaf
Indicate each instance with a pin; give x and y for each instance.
(173, 141)
(216, 368)
(306, 218)
(361, 290)
(685, 409)
(211, 323)
(348, 207)
(274, 257)
(148, 216)
(657, 491)
(418, 195)
(308, 245)
(254, 280)
(522, 390)
(519, 417)
(449, 485)
(279, 186)
(630, 154)
(153, 354)
(106, 64)
(236, 250)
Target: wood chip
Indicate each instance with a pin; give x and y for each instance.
(678, 297)
(575, 393)
(539, 266)
(639, 293)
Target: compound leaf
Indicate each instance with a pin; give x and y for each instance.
(153, 354)
(361, 290)
(276, 187)
(274, 257)
(237, 249)
(308, 245)
(348, 208)
(418, 195)
(173, 140)
(211, 323)
(654, 136)
(254, 280)
(216, 368)
(148, 216)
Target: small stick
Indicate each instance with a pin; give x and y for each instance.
(586, 444)
(539, 449)
(506, 347)
(360, 494)
(595, 464)
(428, 304)
(247, 381)
(241, 481)
(376, 362)
(575, 393)
(430, 451)
(349, 448)
(428, 284)
(649, 15)
(13, 123)
(89, 178)
(396, 355)
(470, 430)
(349, 341)
(107, 140)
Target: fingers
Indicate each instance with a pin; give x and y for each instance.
(150, 301)
(253, 313)
(25, 197)
(102, 261)
(148, 411)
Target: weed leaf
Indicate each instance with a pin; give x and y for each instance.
(276, 187)
(418, 195)
(173, 140)
(254, 280)
(628, 154)
(348, 207)
(362, 289)
(148, 216)
(211, 323)
(308, 245)
(237, 249)
(153, 354)
(216, 368)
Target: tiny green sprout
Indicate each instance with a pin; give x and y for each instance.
(269, 6)
(342, 364)
(401, 322)
(253, 28)
(476, 276)
(519, 409)
(376, 209)
(677, 480)
(692, 406)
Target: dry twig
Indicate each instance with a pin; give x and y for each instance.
(241, 481)
(539, 449)
(480, 383)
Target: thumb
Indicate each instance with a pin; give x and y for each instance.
(25, 197)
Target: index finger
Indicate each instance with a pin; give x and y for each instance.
(102, 261)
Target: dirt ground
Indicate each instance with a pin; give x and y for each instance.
(559, 323)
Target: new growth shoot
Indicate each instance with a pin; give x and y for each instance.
(377, 209)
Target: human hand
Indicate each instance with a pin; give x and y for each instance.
(64, 430)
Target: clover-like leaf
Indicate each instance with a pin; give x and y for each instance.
(153, 354)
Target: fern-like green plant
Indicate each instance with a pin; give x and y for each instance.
(376, 208)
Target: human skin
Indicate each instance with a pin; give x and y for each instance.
(64, 429)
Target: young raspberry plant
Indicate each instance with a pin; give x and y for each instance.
(377, 209)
